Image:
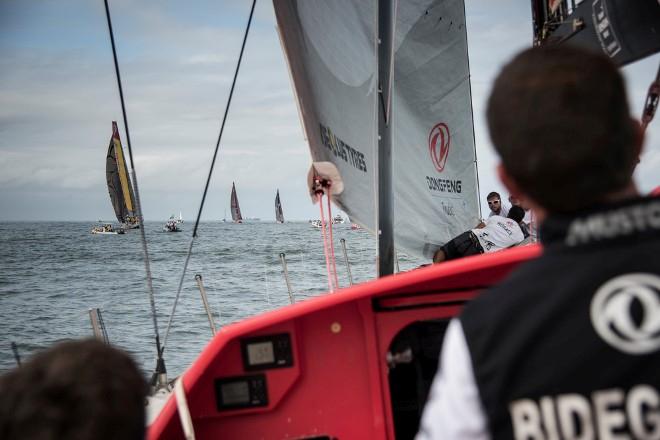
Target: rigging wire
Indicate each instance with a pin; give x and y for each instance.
(160, 363)
(474, 139)
(208, 179)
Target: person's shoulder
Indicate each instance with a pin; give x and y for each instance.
(498, 219)
(498, 302)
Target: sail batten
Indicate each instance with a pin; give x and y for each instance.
(434, 182)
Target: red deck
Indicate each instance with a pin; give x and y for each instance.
(338, 383)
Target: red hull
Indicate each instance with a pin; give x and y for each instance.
(338, 383)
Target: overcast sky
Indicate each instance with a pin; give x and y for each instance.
(58, 97)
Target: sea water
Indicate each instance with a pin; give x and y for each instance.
(52, 273)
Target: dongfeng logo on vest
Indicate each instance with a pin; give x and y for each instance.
(439, 145)
(625, 312)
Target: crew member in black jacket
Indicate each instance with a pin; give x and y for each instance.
(568, 347)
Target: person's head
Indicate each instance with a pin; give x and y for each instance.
(559, 119)
(494, 201)
(516, 213)
(74, 390)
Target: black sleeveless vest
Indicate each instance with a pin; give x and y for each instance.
(569, 345)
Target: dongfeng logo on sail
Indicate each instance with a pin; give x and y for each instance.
(439, 141)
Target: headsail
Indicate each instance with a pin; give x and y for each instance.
(279, 215)
(433, 154)
(118, 179)
(235, 209)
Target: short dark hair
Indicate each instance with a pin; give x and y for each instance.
(559, 119)
(75, 390)
(516, 213)
(493, 194)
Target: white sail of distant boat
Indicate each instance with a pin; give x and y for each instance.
(279, 215)
(433, 156)
(235, 208)
(119, 182)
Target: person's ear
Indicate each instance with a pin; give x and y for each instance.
(515, 190)
(638, 144)
(508, 182)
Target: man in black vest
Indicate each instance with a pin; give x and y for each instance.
(568, 347)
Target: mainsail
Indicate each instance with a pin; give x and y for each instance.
(235, 209)
(118, 179)
(433, 156)
(279, 215)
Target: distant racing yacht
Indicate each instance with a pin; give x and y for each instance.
(235, 208)
(119, 183)
(279, 215)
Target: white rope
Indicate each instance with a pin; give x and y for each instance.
(184, 412)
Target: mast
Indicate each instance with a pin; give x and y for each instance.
(385, 196)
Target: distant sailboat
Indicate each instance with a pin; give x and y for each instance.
(119, 183)
(279, 215)
(235, 209)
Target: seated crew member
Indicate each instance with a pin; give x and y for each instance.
(527, 224)
(495, 204)
(495, 234)
(568, 345)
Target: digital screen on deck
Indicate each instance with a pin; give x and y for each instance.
(260, 353)
(235, 393)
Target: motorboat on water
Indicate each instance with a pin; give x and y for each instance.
(338, 219)
(106, 229)
(318, 224)
(173, 224)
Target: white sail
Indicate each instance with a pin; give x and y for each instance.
(434, 166)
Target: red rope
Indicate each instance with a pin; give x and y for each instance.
(333, 260)
(319, 195)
